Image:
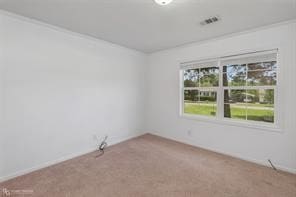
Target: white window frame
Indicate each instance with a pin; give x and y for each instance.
(219, 118)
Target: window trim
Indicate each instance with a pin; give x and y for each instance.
(219, 118)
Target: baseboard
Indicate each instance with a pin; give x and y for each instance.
(260, 162)
(114, 140)
(119, 139)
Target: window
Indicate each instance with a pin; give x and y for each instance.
(200, 89)
(239, 87)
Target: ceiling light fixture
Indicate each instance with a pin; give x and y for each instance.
(163, 2)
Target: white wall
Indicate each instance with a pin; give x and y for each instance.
(1, 101)
(247, 143)
(58, 89)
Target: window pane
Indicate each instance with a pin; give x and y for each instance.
(273, 64)
(191, 78)
(191, 96)
(261, 78)
(200, 102)
(209, 77)
(234, 80)
(234, 75)
(260, 105)
(263, 65)
(234, 104)
(234, 96)
(239, 69)
(210, 71)
(256, 105)
(235, 111)
(211, 80)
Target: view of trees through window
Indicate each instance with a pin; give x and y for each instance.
(248, 87)
(200, 94)
(248, 91)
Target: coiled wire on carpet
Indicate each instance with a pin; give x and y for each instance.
(102, 146)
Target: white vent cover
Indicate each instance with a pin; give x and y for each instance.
(210, 20)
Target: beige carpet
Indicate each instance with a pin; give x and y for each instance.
(152, 166)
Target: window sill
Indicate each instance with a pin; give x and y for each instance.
(233, 122)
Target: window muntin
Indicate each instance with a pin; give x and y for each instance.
(246, 92)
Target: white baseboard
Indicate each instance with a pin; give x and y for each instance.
(260, 162)
(114, 140)
(119, 139)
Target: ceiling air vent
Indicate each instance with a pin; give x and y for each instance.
(210, 20)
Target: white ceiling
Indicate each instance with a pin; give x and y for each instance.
(148, 27)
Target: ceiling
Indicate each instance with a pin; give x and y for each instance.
(146, 26)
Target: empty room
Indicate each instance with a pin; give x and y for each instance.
(148, 98)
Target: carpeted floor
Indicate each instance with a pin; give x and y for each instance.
(153, 166)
